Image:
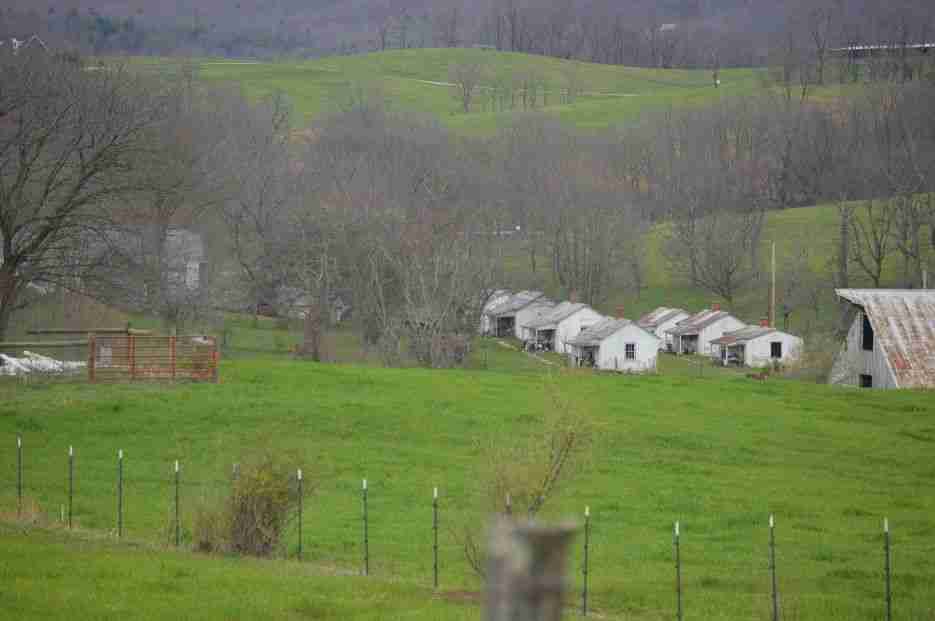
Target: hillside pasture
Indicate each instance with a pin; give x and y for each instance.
(718, 452)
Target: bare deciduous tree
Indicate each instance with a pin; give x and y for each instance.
(467, 77)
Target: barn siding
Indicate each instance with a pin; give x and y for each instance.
(852, 361)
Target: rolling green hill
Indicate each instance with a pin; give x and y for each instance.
(717, 453)
(418, 81)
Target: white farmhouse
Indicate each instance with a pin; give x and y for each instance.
(758, 346)
(615, 345)
(516, 310)
(694, 335)
(891, 341)
(495, 299)
(660, 321)
(561, 323)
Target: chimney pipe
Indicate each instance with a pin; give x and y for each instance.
(716, 306)
(573, 296)
(620, 312)
(764, 322)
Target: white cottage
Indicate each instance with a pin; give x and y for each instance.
(694, 335)
(615, 345)
(495, 299)
(757, 346)
(518, 309)
(660, 321)
(891, 340)
(559, 324)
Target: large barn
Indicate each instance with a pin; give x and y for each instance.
(891, 340)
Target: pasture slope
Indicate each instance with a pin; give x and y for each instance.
(417, 81)
(718, 453)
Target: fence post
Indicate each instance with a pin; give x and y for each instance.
(526, 572)
(299, 480)
(509, 504)
(887, 569)
(435, 537)
(587, 541)
(119, 493)
(678, 574)
(71, 482)
(178, 519)
(19, 476)
(772, 566)
(366, 534)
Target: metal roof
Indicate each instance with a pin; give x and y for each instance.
(604, 329)
(656, 318)
(743, 335)
(556, 315)
(903, 322)
(699, 321)
(518, 302)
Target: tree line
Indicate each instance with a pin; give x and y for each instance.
(647, 33)
(101, 166)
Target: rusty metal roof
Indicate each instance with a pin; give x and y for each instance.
(903, 322)
(656, 318)
(699, 321)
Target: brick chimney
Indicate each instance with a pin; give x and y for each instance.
(573, 296)
(716, 306)
(764, 322)
(619, 314)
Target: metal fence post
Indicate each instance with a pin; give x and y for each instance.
(887, 569)
(587, 542)
(772, 566)
(71, 482)
(366, 534)
(678, 574)
(119, 493)
(19, 476)
(178, 519)
(435, 537)
(299, 481)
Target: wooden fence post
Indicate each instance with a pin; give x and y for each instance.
(526, 578)
(92, 357)
(131, 355)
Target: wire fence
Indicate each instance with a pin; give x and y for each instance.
(368, 536)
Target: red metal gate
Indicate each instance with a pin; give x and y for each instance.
(129, 357)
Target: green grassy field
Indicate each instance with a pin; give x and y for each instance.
(417, 81)
(718, 453)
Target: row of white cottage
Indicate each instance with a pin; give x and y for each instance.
(593, 340)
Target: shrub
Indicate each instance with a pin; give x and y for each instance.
(253, 517)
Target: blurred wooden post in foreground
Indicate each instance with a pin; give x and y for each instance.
(526, 577)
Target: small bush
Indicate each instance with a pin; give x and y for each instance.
(251, 520)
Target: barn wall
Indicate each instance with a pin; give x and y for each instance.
(612, 353)
(572, 326)
(852, 361)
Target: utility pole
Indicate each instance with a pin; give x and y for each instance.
(772, 288)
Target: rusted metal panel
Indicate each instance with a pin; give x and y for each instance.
(903, 322)
(153, 358)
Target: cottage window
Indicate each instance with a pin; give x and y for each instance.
(630, 351)
(867, 335)
(775, 350)
(866, 381)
